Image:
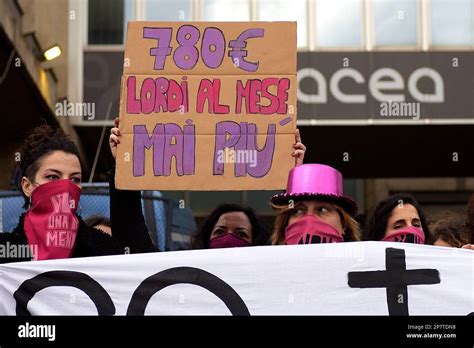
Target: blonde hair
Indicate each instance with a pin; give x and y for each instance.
(352, 231)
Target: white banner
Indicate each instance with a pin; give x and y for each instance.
(359, 278)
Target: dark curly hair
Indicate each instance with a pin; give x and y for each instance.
(41, 140)
(259, 234)
(378, 221)
(451, 229)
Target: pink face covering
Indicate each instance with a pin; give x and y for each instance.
(228, 240)
(310, 230)
(410, 234)
(51, 224)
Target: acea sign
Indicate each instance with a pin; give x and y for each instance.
(380, 81)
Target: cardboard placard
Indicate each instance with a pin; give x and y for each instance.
(207, 106)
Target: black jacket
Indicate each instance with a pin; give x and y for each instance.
(129, 231)
(128, 223)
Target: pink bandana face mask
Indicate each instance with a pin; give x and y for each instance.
(51, 224)
(410, 234)
(310, 230)
(228, 240)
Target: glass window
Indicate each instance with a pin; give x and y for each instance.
(338, 23)
(222, 10)
(286, 10)
(168, 10)
(205, 202)
(260, 201)
(176, 196)
(106, 22)
(451, 22)
(395, 22)
(129, 15)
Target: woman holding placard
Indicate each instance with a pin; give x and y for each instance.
(229, 225)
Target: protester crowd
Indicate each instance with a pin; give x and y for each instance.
(313, 209)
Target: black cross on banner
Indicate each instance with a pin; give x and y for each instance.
(396, 279)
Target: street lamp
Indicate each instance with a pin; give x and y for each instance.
(52, 53)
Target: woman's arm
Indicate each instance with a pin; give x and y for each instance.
(126, 216)
(93, 242)
(128, 222)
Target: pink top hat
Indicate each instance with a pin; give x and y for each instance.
(315, 181)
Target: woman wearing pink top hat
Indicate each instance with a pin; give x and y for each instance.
(314, 209)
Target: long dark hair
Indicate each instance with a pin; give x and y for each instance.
(40, 141)
(201, 239)
(378, 221)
